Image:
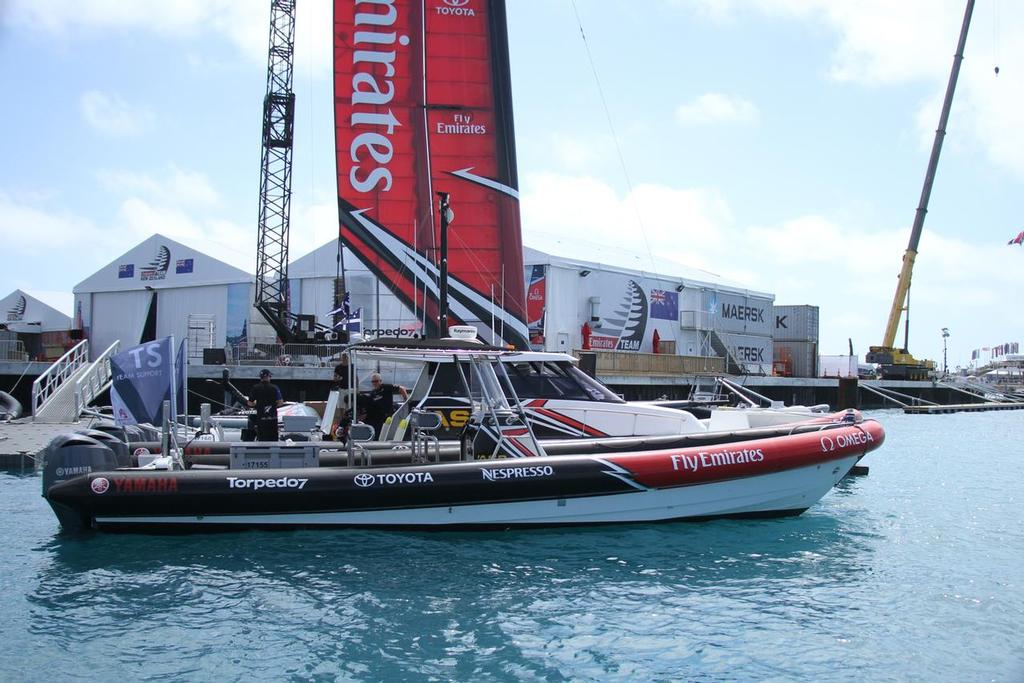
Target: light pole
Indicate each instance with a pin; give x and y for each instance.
(447, 216)
(945, 336)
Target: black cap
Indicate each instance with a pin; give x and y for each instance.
(264, 373)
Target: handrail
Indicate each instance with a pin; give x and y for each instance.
(877, 391)
(91, 384)
(977, 390)
(63, 368)
(13, 349)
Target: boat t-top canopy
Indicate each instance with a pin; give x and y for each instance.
(447, 351)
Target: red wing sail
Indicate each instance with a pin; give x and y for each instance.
(423, 105)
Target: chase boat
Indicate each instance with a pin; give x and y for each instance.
(500, 475)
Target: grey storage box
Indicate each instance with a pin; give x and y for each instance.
(300, 423)
(268, 456)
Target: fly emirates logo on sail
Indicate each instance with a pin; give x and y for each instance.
(704, 459)
(373, 88)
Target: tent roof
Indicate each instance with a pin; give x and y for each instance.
(160, 262)
(629, 263)
(22, 312)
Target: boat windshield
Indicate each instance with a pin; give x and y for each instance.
(557, 380)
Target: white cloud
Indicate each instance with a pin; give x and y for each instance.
(246, 25)
(223, 239)
(711, 108)
(111, 115)
(178, 187)
(880, 43)
(29, 230)
(848, 270)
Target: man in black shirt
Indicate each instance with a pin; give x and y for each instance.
(266, 397)
(380, 402)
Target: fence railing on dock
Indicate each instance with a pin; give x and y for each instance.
(631, 363)
(304, 355)
(95, 381)
(13, 350)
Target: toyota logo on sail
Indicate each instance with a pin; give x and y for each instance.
(364, 480)
(456, 8)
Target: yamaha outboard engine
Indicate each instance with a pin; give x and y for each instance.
(112, 429)
(120, 448)
(72, 455)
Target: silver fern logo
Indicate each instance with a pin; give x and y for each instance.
(157, 268)
(17, 312)
(628, 320)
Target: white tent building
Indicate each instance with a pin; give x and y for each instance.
(30, 328)
(692, 312)
(169, 288)
(22, 312)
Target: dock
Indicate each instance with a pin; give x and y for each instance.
(961, 408)
(22, 442)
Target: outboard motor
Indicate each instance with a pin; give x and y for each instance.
(112, 429)
(139, 433)
(120, 448)
(72, 455)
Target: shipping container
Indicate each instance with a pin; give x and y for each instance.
(838, 366)
(796, 358)
(796, 323)
(744, 313)
(752, 352)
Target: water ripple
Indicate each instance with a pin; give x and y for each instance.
(911, 573)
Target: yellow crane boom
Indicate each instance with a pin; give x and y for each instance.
(897, 362)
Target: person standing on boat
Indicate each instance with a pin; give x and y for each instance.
(266, 398)
(380, 402)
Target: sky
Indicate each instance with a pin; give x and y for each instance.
(779, 144)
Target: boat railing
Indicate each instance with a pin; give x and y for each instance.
(94, 382)
(55, 376)
(13, 349)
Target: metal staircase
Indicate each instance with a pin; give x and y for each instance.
(60, 394)
(732, 366)
(980, 390)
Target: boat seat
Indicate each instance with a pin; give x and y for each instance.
(725, 420)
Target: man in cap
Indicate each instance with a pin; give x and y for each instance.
(266, 398)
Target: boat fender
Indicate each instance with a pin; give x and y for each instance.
(75, 455)
(10, 407)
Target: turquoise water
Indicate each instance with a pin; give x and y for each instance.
(913, 572)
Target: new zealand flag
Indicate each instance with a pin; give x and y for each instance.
(664, 305)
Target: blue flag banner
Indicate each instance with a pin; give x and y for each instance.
(664, 305)
(142, 378)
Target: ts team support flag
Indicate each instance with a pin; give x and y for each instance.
(1019, 239)
(142, 378)
(423, 105)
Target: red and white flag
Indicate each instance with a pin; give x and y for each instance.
(1019, 239)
